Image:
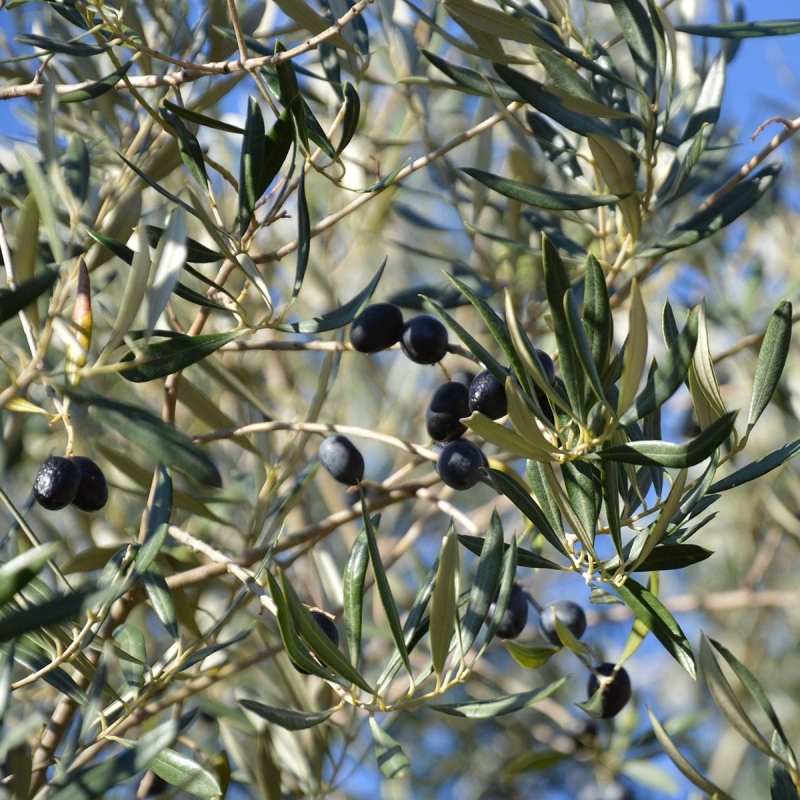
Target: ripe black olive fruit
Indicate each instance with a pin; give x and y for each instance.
(92, 492)
(547, 364)
(488, 395)
(460, 463)
(516, 615)
(569, 614)
(443, 417)
(326, 625)
(424, 339)
(376, 328)
(615, 694)
(56, 483)
(342, 459)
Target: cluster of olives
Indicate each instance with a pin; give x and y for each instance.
(613, 681)
(75, 480)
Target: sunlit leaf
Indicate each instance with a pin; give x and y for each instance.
(392, 761)
(771, 360)
(443, 602)
(286, 718)
(489, 709)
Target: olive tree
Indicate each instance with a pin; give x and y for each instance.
(257, 254)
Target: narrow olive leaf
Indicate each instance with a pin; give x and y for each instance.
(93, 781)
(771, 360)
(159, 513)
(351, 113)
(668, 454)
(56, 46)
(391, 759)
(668, 376)
(169, 258)
(637, 28)
(598, 323)
(634, 359)
(758, 468)
(652, 612)
(320, 644)
(286, 718)
(781, 785)
(721, 213)
(529, 508)
(130, 647)
(682, 763)
(538, 197)
(526, 423)
(476, 82)
(612, 475)
(22, 569)
(489, 709)
(12, 301)
(180, 771)
(296, 649)
(526, 558)
(174, 355)
(96, 88)
(443, 603)
(289, 91)
(727, 701)
(200, 119)
(583, 483)
(487, 579)
(744, 30)
(703, 383)
(158, 438)
(35, 660)
(160, 597)
(309, 20)
(557, 284)
(303, 235)
(384, 589)
(754, 687)
(528, 656)
(76, 168)
(189, 148)
(338, 318)
(353, 591)
(583, 351)
(251, 162)
(673, 556)
(58, 608)
(618, 168)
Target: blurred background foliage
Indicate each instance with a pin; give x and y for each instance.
(241, 172)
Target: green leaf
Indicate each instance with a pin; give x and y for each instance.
(319, 643)
(22, 569)
(12, 301)
(340, 316)
(652, 612)
(612, 475)
(60, 607)
(682, 763)
(353, 591)
(160, 597)
(637, 28)
(187, 775)
(598, 324)
(303, 235)
(489, 709)
(721, 213)
(93, 781)
(744, 30)
(529, 656)
(582, 481)
(251, 162)
(476, 82)
(200, 119)
(77, 167)
(487, 580)
(668, 376)
(165, 358)
(443, 603)
(34, 660)
(289, 91)
(673, 556)
(55, 46)
(727, 701)
(668, 454)
(771, 360)
(159, 513)
(538, 197)
(757, 468)
(189, 148)
(161, 440)
(351, 113)
(391, 759)
(96, 88)
(583, 351)
(781, 785)
(169, 259)
(130, 641)
(286, 718)
(528, 506)
(754, 687)
(634, 357)
(526, 558)
(382, 582)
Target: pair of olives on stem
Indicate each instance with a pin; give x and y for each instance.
(74, 480)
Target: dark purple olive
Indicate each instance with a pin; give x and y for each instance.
(515, 617)
(460, 464)
(445, 411)
(424, 339)
(616, 693)
(376, 328)
(569, 614)
(56, 483)
(547, 364)
(342, 459)
(92, 492)
(488, 395)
